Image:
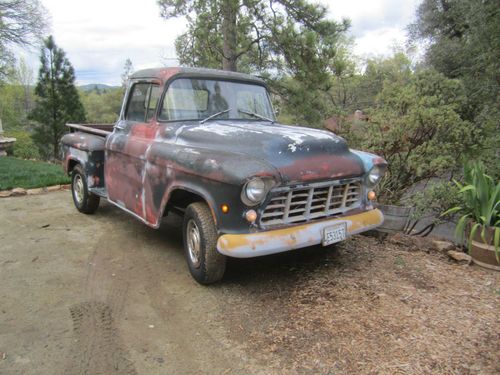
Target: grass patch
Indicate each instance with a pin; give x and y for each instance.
(29, 174)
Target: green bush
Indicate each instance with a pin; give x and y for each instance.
(416, 127)
(24, 148)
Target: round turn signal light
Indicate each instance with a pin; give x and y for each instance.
(251, 216)
(371, 195)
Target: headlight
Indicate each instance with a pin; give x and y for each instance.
(375, 175)
(254, 191)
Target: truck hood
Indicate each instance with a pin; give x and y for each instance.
(298, 153)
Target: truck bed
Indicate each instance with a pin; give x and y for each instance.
(98, 129)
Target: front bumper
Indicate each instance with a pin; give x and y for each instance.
(276, 241)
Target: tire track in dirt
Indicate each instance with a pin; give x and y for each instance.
(137, 276)
(190, 322)
(98, 347)
(171, 295)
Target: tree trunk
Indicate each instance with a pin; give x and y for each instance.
(229, 13)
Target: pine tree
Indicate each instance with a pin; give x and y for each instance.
(57, 99)
(256, 35)
(292, 43)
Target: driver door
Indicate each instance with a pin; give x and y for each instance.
(126, 148)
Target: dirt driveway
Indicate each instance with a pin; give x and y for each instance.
(104, 294)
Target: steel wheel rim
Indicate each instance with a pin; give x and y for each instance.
(193, 239)
(78, 188)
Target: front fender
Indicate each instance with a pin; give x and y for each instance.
(369, 160)
(217, 176)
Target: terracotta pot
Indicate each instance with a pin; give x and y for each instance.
(483, 253)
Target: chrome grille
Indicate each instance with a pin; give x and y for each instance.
(304, 203)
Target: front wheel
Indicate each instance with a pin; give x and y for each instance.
(205, 263)
(84, 200)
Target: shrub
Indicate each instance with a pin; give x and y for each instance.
(24, 148)
(416, 127)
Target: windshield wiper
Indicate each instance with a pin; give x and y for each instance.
(256, 115)
(214, 115)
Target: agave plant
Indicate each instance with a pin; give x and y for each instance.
(481, 205)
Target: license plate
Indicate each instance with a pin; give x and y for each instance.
(333, 234)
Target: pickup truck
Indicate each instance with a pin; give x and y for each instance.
(205, 144)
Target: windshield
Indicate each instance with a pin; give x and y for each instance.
(200, 99)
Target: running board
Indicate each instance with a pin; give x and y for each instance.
(100, 191)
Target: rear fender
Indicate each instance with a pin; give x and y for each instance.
(86, 150)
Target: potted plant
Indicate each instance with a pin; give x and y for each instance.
(480, 218)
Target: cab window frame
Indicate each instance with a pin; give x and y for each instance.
(149, 113)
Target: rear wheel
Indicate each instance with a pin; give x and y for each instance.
(205, 263)
(84, 200)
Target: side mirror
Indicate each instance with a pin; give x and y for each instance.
(121, 124)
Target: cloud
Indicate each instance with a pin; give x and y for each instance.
(370, 15)
(99, 35)
(377, 25)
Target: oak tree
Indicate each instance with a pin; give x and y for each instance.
(22, 23)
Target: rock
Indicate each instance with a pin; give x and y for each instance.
(17, 192)
(35, 191)
(410, 243)
(422, 243)
(443, 245)
(400, 239)
(459, 256)
(54, 188)
(5, 193)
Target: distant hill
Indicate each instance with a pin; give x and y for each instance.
(100, 86)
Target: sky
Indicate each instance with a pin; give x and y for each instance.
(99, 35)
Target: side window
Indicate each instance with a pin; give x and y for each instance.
(142, 102)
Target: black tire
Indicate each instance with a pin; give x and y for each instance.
(84, 200)
(205, 263)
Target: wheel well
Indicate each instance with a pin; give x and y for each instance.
(72, 164)
(179, 200)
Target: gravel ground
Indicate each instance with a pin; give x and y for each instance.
(104, 294)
